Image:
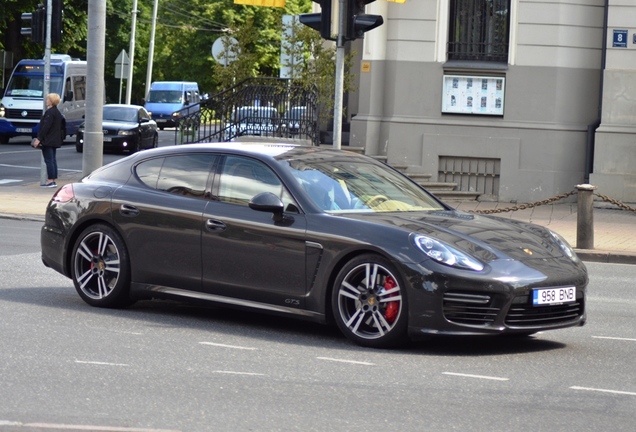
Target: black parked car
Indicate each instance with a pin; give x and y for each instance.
(127, 128)
(314, 233)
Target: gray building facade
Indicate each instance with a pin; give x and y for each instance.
(557, 112)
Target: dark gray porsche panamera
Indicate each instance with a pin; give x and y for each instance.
(320, 234)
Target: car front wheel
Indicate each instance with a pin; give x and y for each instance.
(100, 268)
(369, 302)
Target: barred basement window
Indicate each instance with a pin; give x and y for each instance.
(479, 30)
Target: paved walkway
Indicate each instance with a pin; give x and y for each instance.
(614, 227)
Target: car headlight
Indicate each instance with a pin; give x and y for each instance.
(1, 110)
(125, 132)
(446, 254)
(564, 246)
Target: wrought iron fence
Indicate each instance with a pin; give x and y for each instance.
(267, 107)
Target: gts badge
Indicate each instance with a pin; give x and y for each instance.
(292, 302)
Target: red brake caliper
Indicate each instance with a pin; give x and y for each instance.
(392, 307)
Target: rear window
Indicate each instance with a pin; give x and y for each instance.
(180, 174)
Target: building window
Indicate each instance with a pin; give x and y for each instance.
(479, 30)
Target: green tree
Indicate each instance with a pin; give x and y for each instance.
(314, 66)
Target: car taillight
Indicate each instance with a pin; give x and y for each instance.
(64, 194)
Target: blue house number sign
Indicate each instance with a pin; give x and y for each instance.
(620, 39)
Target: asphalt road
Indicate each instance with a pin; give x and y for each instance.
(174, 366)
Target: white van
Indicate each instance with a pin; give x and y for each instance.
(166, 98)
(23, 99)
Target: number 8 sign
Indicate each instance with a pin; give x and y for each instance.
(620, 39)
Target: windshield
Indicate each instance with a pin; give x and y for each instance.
(165, 96)
(120, 114)
(355, 185)
(32, 85)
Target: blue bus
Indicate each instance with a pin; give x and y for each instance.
(23, 99)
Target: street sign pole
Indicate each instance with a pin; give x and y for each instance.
(47, 79)
(122, 62)
(340, 61)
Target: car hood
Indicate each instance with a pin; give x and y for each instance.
(487, 237)
(106, 124)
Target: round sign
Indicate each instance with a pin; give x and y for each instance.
(225, 50)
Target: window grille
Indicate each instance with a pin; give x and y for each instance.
(479, 30)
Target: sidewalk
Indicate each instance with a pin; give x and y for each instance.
(614, 228)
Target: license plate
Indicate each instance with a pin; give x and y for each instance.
(107, 139)
(550, 296)
(24, 130)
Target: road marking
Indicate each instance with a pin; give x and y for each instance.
(60, 426)
(476, 376)
(604, 390)
(227, 346)
(614, 338)
(346, 361)
(37, 168)
(239, 373)
(7, 181)
(100, 363)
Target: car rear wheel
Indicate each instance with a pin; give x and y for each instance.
(100, 268)
(369, 302)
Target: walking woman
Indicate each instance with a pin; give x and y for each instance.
(50, 136)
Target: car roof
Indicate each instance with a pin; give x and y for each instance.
(122, 106)
(270, 149)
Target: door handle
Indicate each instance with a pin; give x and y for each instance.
(214, 225)
(128, 210)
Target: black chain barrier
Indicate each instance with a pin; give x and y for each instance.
(526, 206)
(615, 202)
(554, 199)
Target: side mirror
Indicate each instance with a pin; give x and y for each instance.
(68, 97)
(268, 202)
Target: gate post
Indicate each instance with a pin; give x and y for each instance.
(585, 216)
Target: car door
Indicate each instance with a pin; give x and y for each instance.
(161, 214)
(246, 253)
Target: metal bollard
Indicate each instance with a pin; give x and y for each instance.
(585, 216)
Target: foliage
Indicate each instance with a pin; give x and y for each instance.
(314, 66)
(184, 34)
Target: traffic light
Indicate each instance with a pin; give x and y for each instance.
(320, 21)
(56, 21)
(27, 19)
(36, 22)
(38, 25)
(358, 23)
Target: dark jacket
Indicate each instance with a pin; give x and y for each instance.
(52, 127)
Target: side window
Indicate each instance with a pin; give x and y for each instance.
(479, 30)
(143, 114)
(68, 90)
(181, 175)
(79, 88)
(148, 172)
(243, 178)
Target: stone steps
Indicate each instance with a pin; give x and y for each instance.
(446, 191)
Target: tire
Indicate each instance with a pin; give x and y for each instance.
(155, 141)
(370, 313)
(4, 139)
(79, 148)
(101, 268)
